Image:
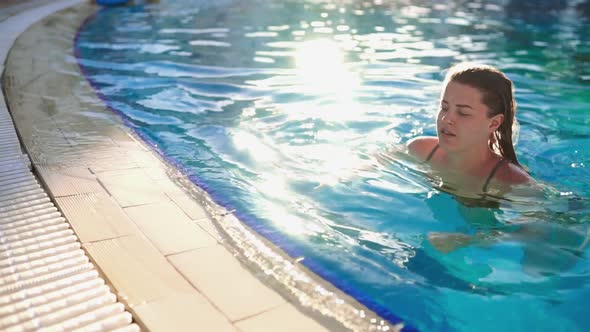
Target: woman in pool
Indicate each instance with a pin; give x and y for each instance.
(474, 149)
(473, 152)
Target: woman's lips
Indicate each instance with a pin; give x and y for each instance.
(447, 133)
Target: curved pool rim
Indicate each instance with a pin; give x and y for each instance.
(325, 321)
(367, 311)
(242, 216)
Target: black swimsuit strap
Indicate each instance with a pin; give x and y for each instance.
(496, 167)
(431, 154)
(490, 177)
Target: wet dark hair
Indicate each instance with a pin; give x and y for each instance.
(498, 96)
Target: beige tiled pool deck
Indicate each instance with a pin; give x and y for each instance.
(153, 242)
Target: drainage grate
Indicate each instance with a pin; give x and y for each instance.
(47, 283)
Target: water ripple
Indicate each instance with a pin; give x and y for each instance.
(292, 112)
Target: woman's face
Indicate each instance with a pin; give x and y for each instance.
(462, 121)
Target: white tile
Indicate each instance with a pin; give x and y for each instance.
(131, 187)
(285, 318)
(225, 282)
(191, 207)
(182, 312)
(96, 217)
(169, 229)
(137, 271)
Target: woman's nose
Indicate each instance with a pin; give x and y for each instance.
(448, 118)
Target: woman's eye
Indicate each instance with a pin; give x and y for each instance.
(462, 114)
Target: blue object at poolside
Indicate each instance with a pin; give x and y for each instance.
(111, 2)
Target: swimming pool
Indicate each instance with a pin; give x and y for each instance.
(281, 111)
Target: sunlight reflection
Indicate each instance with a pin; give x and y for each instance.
(274, 186)
(332, 164)
(321, 71)
(342, 109)
(276, 202)
(288, 222)
(254, 146)
(321, 68)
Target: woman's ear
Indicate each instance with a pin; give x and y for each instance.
(495, 122)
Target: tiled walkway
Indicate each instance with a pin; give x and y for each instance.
(153, 243)
(46, 280)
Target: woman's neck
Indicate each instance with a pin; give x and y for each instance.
(472, 161)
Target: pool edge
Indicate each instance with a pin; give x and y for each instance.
(101, 185)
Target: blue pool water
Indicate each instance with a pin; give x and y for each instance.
(284, 112)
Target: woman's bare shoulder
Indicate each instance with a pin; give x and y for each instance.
(421, 146)
(513, 174)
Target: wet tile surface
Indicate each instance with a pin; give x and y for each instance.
(67, 181)
(183, 312)
(169, 229)
(131, 187)
(285, 318)
(138, 272)
(212, 270)
(187, 204)
(96, 216)
(43, 254)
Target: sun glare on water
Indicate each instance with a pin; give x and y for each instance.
(321, 69)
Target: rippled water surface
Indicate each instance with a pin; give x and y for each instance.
(284, 111)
